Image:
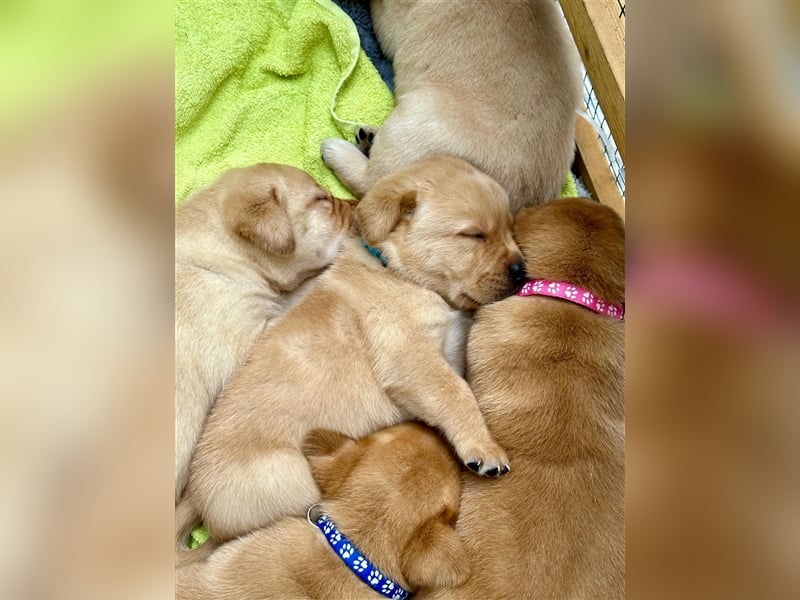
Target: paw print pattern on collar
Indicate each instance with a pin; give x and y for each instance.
(573, 293)
(354, 559)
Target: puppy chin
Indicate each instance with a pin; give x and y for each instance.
(464, 302)
(494, 295)
(473, 300)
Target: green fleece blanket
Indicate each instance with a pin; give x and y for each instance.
(267, 81)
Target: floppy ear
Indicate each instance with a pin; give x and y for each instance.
(383, 206)
(435, 558)
(261, 220)
(331, 456)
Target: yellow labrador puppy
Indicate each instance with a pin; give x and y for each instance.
(548, 374)
(369, 346)
(384, 525)
(496, 83)
(243, 245)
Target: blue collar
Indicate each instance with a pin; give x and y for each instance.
(374, 251)
(352, 557)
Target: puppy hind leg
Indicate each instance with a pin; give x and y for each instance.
(192, 403)
(349, 164)
(182, 458)
(259, 493)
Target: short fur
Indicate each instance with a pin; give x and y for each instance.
(549, 378)
(368, 347)
(394, 494)
(495, 83)
(243, 246)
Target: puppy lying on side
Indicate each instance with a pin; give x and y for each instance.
(394, 495)
(495, 83)
(242, 245)
(369, 346)
(549, 378)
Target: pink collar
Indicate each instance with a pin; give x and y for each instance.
(576, 295)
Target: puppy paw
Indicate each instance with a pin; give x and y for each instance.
(364, 138)
(348, 163)
(332, 150)
(490, 463)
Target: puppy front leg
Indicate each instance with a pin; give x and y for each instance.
(349, 162)
(428, 388)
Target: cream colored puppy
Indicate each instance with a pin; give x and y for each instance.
(369, 346)
(243, 245)
(393, 500)
(495, 83)
(549, 377)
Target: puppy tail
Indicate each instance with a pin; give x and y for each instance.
(187, 521)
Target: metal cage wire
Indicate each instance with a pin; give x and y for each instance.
(593, 109)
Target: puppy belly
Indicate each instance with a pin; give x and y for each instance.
(258, 493)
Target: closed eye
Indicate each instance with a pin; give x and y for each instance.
(323, 199)
(476, 235)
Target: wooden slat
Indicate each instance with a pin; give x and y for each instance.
(592, 166)
(599, 33)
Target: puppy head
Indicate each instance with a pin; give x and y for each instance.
(576, 240)
(284, 218)
(397, 489)
(445, 225)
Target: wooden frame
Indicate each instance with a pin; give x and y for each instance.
(592, 166)
(598, 28)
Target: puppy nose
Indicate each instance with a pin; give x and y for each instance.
(517, 273)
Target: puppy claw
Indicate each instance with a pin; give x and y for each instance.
(493, 463)
(474, 465)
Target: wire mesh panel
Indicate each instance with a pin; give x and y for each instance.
(612, 10)
(607, 141)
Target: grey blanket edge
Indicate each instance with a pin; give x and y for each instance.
(358, 11)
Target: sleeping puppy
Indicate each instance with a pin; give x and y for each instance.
(242, 246)
(368, 347)
(393, 496)
(495, 83)
(549, 378)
